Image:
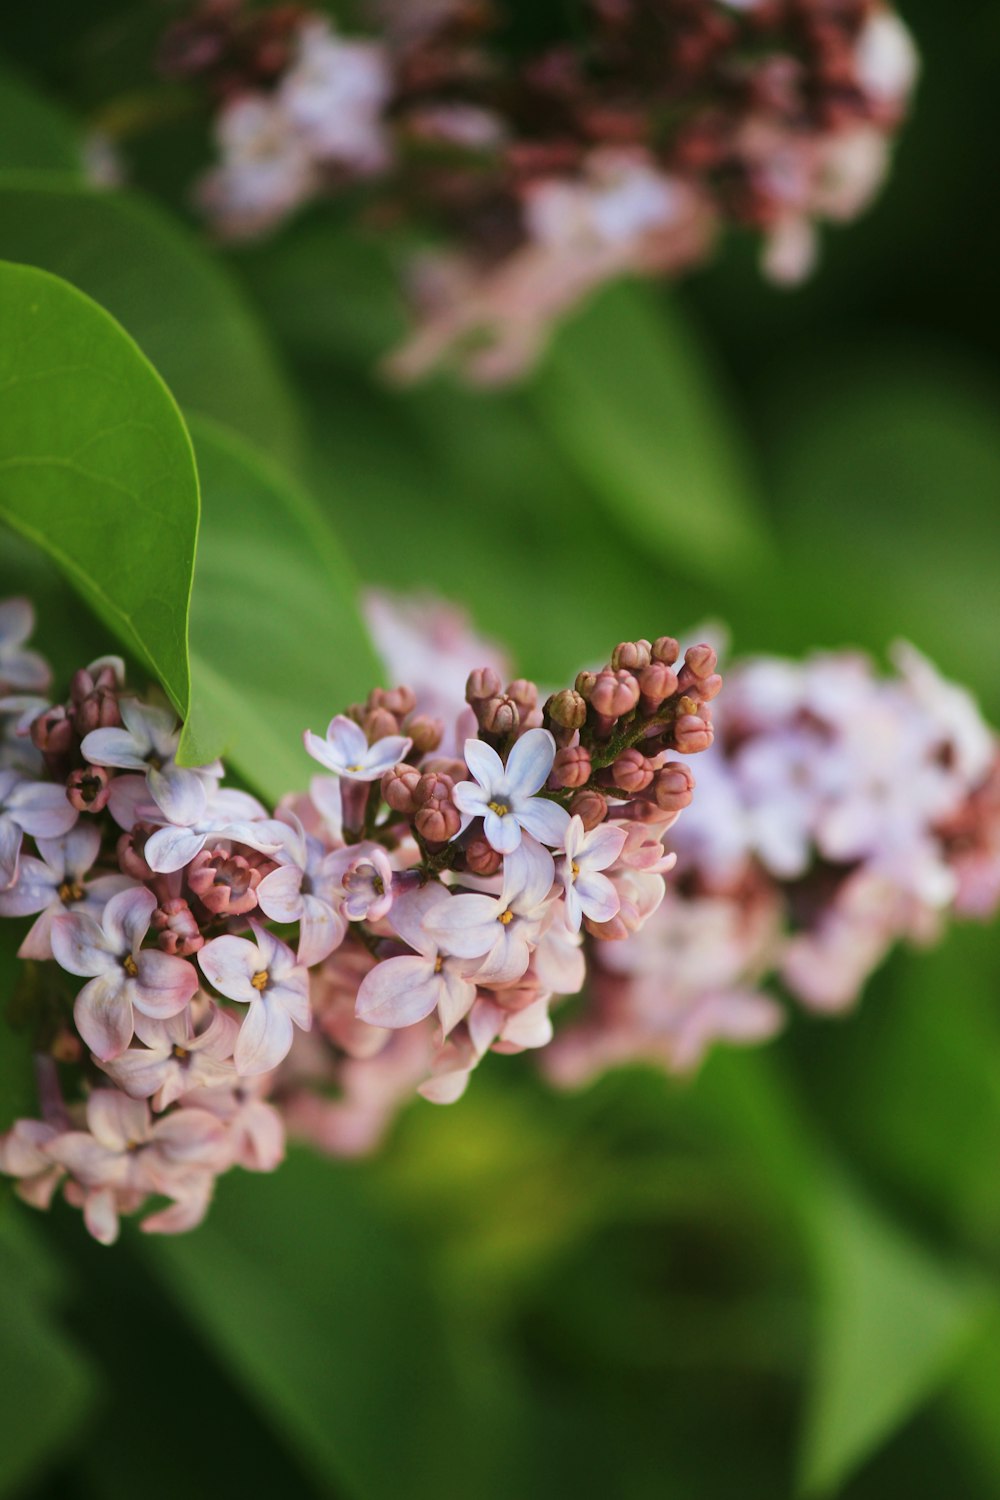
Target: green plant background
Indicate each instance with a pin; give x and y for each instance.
(777, 1279)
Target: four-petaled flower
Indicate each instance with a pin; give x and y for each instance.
(123, 975)
(504, 796)
(347, 753)
(588, 893)
(148, 742)
(501, 930)
(305, 888)
(176, 1056)
(401, 991)
(57, 883)
(38, 808)
(264, 975)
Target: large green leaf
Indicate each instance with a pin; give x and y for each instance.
(34, 131)
(277, 643)
(626, 392)
(47, 1387)
(172, 297)
(324, 1314)
(96, 466)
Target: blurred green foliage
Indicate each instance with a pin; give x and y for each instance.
(777, 1279)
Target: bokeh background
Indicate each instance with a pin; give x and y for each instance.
(778, 1278)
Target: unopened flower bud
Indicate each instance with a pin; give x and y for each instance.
(425, 732)
(398, 701)
(590, 806)
(710, 687)
(673, 786)
(433, 786)
(524, 693)
(446, 765)
(483, 683)
(66, 1046)
(585, 684)
(378, 724)
(571, 767)
(88, 789)
(568, 709)
(614, 694)
(666, 649)
(692, 734)
(52, 733)
(702, 660)
(398, 786)
(224, 883)
(482, 858)
(176, 929)
(130, 850)
(631, 656)
(632, 771)
(657, 683)
(686, 706)
(438, 822)
(608, 932)
(499, 716)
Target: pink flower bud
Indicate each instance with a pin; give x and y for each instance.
(446, 765)
(398, 786)
(673, 786)
(398, 701)
(666, 649)
(632, 771)
(131, 852)
(571, 767)
(482, 858)
(224, 883)
(631, 656)
(499, 716)
(438, 822)
(692, 734)
(177, 931)
(702, 660)
(52, 733)
(590, 806)
(87, 789)
(614, 694)
(608, 932)
(657, 683)
(483, 683)
(425, 732)
(523, 693)
(433, 786)
(379, 724)
(568, 709)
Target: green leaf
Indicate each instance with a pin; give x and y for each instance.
(324, 1313)
(627, 393)
(893, 1323)
(47, 1387)
(34, 132)
(277, 642)
(96, 466)
(164, 288)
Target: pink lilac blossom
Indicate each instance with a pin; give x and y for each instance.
(628, 144)
(429, 889)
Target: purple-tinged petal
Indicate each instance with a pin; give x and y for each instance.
(279, 894)
(455, 998)
(32, 891)
(127, 917)
(17, 621)
(74, 854)
(103, 1014)
(164, 985)
(347, 739)
(484, 1024)
(597, 896)
(265, 1039)
(229, 963)
(80, 945)
(327, 799)
(574, 911)
(37, 941)
(170, 849)
(399, 992)
(320, 750)
(471, 798)
(502, 832)
(508, 959)
(529, 763)
(544, 820)
(265, 835)
(129, 802)
(115, 1121)
(601, 847)
(530, 1027)
(179, 793)
(100, 1214)
(321, 930)
(139, 1072)
(466, 926)
(191, 1137)
(28, 671)
(408, 913)
(528, 874)
(113, 747)
(382, 756)
(185, 1213)
(41, 809)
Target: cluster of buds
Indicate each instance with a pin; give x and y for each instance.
(839, 812)
(626, 145)
(203, 970)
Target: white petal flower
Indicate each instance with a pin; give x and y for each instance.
(346, 751)
(505, 796)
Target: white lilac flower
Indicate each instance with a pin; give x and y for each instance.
(346, 752)
(401, 991)
(123, 975)
(200, 813)
(176, 1057)
(57, 882)
(148, 742)
(305, 888)
(588, 892)
(38, 808)
(333, 97)
(265, 976)
(499, 931)
(504, 796)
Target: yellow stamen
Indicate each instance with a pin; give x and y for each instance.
(506, 917)
(259, 980)
(70, 890)
(575, 868)
(438, 964)
(500, 808)
(181, 1053)
(130, 966)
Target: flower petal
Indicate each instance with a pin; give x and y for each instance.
(408, 912)
(127, 917)
(279, 894)
(399, 992)
(484, 763)
(601, 847)
(321, 930)
(229, 963)
(103, 1015)
(113, 747)
(81, 946)
(170, 849)
(529, 763)
(10, 849)
(41, 809)
(265, 1039)
(544, 820)
(347, 739)
(465, 926)
(179, 793)
(597, 896)
(503, 833)
(164, 985)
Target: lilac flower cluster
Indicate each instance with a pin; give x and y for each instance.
(839, 812)
(625, 146)
(433, 886)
